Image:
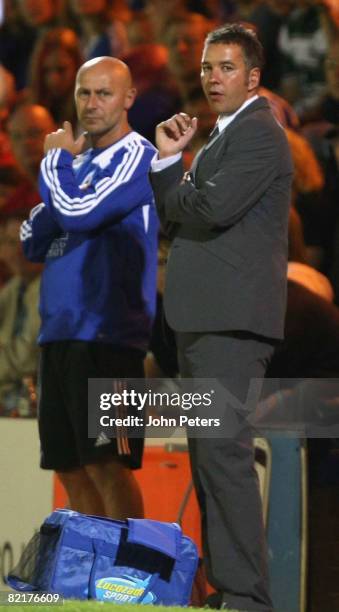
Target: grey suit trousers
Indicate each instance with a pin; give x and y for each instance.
(223, 471)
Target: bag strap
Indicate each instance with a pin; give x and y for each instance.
(163, 537)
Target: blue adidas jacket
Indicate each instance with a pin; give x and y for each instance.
(96, 231)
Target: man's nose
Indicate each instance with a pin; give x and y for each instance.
(214, 75)
(92, 100)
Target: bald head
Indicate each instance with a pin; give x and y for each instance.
(103, 94)
(107, 65)
(28, 126)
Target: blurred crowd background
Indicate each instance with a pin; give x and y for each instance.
(42, 45)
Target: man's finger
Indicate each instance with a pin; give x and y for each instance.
(194, 123)
(68, 128)
(80, 142)
(170, 128)
(184, 122)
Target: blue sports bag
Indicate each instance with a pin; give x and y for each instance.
(122, 562)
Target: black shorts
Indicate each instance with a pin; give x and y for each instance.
(65, 368)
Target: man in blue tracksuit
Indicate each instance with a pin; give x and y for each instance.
(96, 232)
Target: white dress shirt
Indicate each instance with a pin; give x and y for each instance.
(222, 122)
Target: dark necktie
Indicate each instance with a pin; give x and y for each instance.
(213, 134)
(202, 151)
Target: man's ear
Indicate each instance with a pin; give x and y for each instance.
(253, 79)
(130, 97)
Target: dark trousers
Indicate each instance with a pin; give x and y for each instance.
(224, 474)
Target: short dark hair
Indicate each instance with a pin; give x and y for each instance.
(245, 37)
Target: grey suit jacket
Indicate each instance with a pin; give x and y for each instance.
(228, 260)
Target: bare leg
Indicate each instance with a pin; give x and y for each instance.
(118, 489)
(82, 493)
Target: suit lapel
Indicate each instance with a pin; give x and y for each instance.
(256, 105)
(196, 161)
(202, 152)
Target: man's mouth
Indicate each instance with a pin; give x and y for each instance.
(215, 95)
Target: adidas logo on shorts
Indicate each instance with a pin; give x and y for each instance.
(102, 439)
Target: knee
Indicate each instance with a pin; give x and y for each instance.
(108, 470)
(73, 479)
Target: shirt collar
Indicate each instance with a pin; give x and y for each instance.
(225, 120)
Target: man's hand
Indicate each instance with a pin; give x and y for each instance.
(173, 135)
(64, 139)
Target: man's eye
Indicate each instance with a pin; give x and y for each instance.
(227, 68)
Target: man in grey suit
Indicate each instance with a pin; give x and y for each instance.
(226, 289)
